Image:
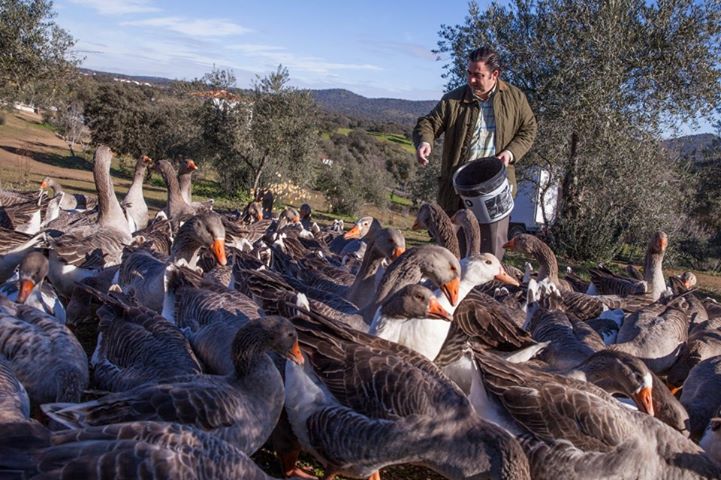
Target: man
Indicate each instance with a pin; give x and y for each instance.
(486, 117)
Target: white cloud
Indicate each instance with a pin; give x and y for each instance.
(275, 55)
(118, 7)
(196, 28)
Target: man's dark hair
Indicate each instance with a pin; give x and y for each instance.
(486, 55)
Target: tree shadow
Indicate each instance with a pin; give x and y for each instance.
(53, 159)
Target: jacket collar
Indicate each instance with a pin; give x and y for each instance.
(468, 93)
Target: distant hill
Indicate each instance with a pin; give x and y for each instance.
(345, 102)
(701, 149)
(160, 81)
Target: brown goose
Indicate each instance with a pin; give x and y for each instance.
(14, 246)
(436, 263)
(177, 208)
(711, 440)
(136, 210)
(362, 403)
(433, 218)
(351, 241)
(45, 356)
(127, 451)
(575, 430)
(655, 334)
(82, 252)
(185, 179)
(141, 273)
(185, 183)
(702, 343)
(606, 282)
(75, 201)
(387, 245)
(425, 335)
(31, 288)
(547, 262)
(136, 346)
(241, 408)
(701, 394)
(14, 400)
(208, 314)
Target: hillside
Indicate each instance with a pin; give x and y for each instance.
(345, 102)
(701, 149)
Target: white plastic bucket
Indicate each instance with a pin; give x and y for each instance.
(484, 188)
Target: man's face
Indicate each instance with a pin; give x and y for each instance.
(480, 78)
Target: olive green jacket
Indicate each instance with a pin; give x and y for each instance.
(456, 115)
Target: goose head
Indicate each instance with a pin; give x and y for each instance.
(268, 334)
(48, 183)
(205, 230)
(305, 211)
(440, 266)
(658, 243)
(618, 372)
(423, 217)
(524, 243)
(289, 216)
(253, 212)
(187, 166)
(480, 269)
(32, 272)
(390, 243)
(413, 301)
(360, 229)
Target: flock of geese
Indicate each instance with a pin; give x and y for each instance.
(177, 347)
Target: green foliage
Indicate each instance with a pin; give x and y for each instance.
(602, 78)
(138, 121)
(34, 50)
(272, 131)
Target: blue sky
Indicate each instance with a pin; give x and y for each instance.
(375, 49)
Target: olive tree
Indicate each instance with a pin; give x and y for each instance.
(605, 80)
(267, 134)
(34, 50)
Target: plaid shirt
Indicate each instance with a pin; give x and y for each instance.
(483, 142)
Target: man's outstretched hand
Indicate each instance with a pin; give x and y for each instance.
(422, 153)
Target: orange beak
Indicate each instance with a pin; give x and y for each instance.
(147, 160)
(506, 278)
(352, 233)
(417, 225)
(644, 400)
(435, 310)
(190, 165)
(295, 355)
(450, 290)
(675, 390)
(510, 245)
(295, 219)
(259, 217)
(44, 184)
(663, 244)
(218, 249)
(397, 252)
(26, 288)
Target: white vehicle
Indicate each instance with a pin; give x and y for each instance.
(535, 205)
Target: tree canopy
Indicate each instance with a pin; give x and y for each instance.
(34, 51)
(604, 79)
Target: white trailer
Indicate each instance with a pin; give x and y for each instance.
(535, 205)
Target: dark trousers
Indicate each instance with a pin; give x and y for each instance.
(494, 235)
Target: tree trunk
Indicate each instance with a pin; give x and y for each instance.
(569, 189)
(257, 174)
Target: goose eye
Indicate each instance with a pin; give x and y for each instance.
(488, 262)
